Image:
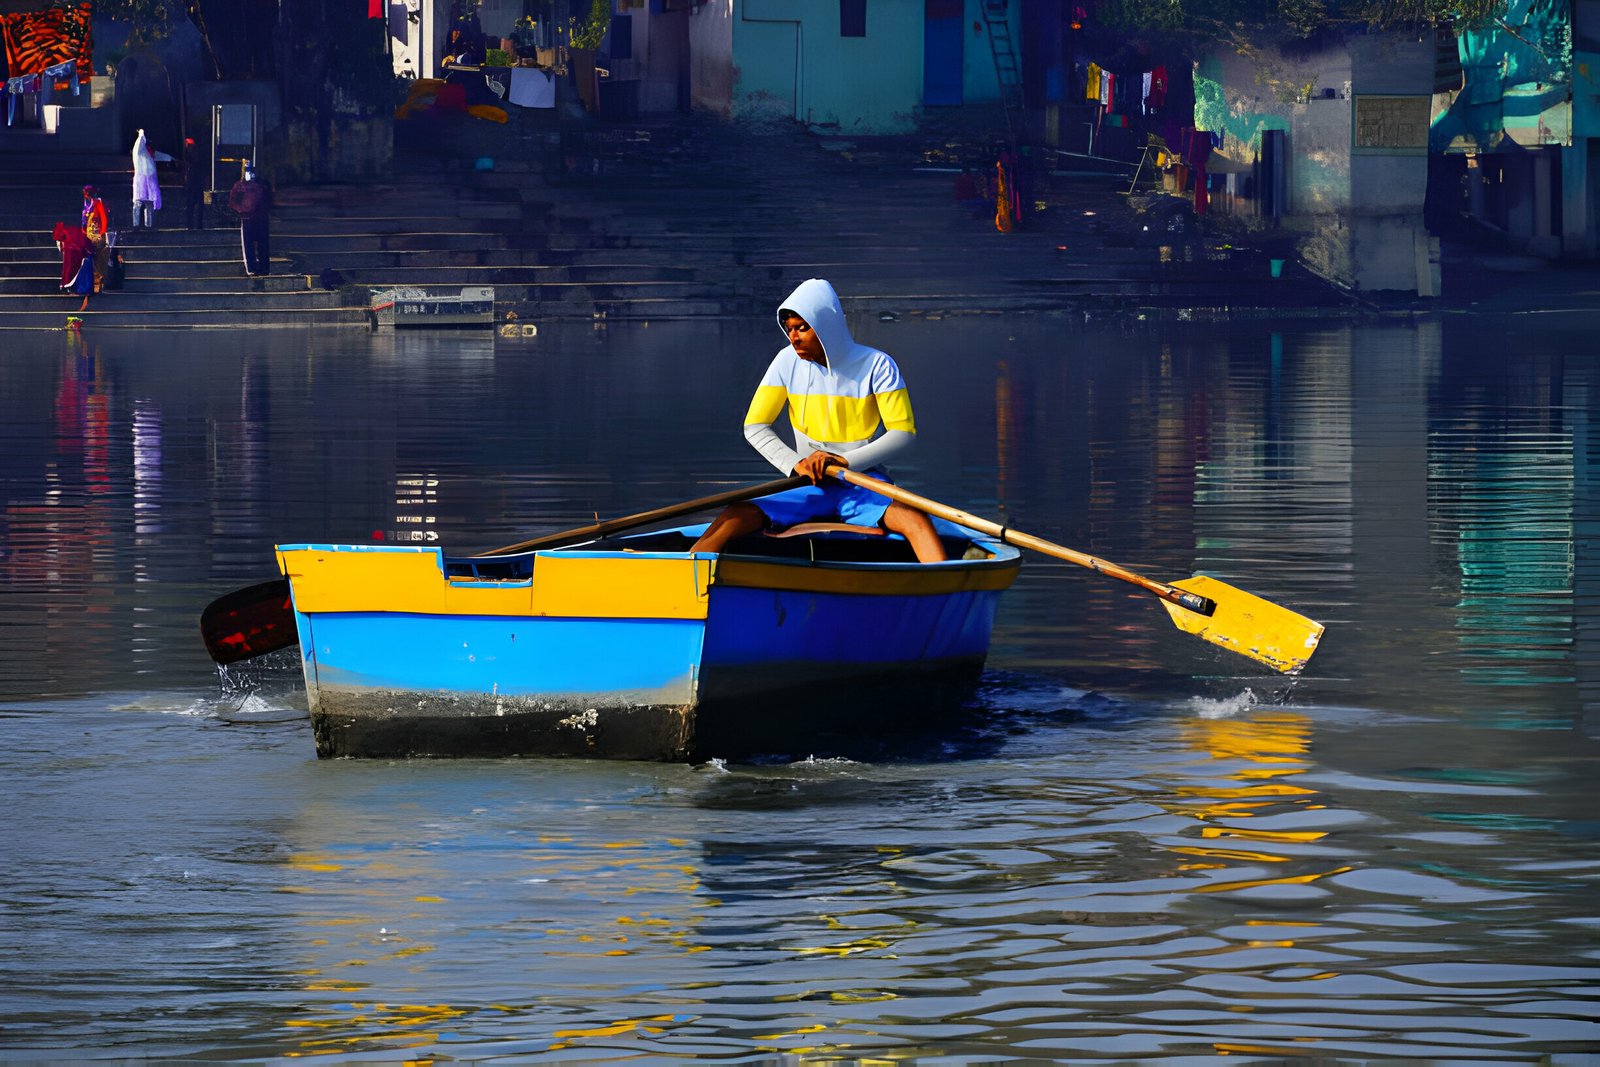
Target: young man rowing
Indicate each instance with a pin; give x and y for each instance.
(837, 392)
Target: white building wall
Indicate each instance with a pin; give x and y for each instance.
(711, 56)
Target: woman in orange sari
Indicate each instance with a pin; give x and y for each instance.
(95, 226)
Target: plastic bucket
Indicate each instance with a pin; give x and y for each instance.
(1277, 267)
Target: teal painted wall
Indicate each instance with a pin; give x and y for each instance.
(790, 62)
(1585, 94)
(1518, 85)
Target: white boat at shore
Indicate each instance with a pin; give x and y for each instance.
(433, 307)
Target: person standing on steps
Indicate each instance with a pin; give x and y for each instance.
(251, 199)
(196, 177)
(95, 228)
(146, 186)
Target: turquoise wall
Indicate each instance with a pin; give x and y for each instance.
(1585, 94)
(1518, 85)
(791, 63)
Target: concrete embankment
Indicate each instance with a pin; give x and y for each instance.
(673, 219)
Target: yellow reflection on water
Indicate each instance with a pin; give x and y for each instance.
(387, 922)
(1259, 749)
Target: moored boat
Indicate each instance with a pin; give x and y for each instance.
(434, 307)
(633, 647)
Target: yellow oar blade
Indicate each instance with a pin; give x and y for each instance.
(1248, 625)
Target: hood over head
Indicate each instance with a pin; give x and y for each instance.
(815, 301)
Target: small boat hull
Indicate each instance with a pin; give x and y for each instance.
(424, 307)
(617, 651)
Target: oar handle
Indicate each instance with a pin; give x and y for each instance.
(1006, 534)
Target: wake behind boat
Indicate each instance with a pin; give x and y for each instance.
(633, 647)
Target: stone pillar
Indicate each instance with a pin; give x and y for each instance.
(1578, 196)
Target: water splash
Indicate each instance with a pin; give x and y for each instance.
(1223, 707)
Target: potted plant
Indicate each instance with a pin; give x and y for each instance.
(525, 37)
(583, 38)
(588, 34)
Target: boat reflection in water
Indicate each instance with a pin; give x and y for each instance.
(634, 647)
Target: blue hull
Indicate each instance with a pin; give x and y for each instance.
(772, 637)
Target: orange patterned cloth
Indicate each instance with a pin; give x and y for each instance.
(36, 40)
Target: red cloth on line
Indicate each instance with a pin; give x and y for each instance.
(1199, 156)
(1158, 89)
(375, 9)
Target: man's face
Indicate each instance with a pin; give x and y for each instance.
(804, 339)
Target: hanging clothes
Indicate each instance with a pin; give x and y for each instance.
(1156, 98)
(1199, 152)
(532, 87)
(67, 70)
(1144, 94)
(1091, 83)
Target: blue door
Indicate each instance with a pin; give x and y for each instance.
(941, 52)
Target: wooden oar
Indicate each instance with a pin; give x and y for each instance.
(259, 619)
(1212, 610)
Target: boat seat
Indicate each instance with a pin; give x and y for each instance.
(800, 529)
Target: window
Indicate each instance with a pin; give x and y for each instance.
(852, 18)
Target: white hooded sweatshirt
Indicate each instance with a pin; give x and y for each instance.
(836, 406)
(145, 184)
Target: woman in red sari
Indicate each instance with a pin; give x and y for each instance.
(77, 262)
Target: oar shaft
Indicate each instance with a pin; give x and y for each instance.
(672, 511)
(1023, 540)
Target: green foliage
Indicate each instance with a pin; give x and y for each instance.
(148, 20)
(1256, 22)
(591, 31)
(525, 34)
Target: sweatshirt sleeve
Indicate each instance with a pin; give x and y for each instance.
(765, 407)
(894, 408)
(880, 450)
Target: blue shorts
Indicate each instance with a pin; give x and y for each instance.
(832, 501)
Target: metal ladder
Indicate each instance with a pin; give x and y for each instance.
(1006, 68)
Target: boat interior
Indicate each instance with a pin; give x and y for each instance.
(814, 542)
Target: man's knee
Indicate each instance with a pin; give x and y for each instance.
(899, 516)
(744, 515)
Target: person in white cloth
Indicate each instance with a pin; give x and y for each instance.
(146, 187)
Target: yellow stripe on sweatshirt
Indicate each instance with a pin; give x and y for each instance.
(834, 418)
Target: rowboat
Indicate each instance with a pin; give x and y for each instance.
(432, 307)
(634, 647)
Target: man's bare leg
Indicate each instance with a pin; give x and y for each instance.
(916, 528)
(735, 521)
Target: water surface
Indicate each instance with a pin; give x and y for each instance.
(1136, 845)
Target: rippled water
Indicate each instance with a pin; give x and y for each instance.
(1136, 845)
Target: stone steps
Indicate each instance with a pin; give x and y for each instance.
(672, 222)
(104, 314)
(250, 299)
